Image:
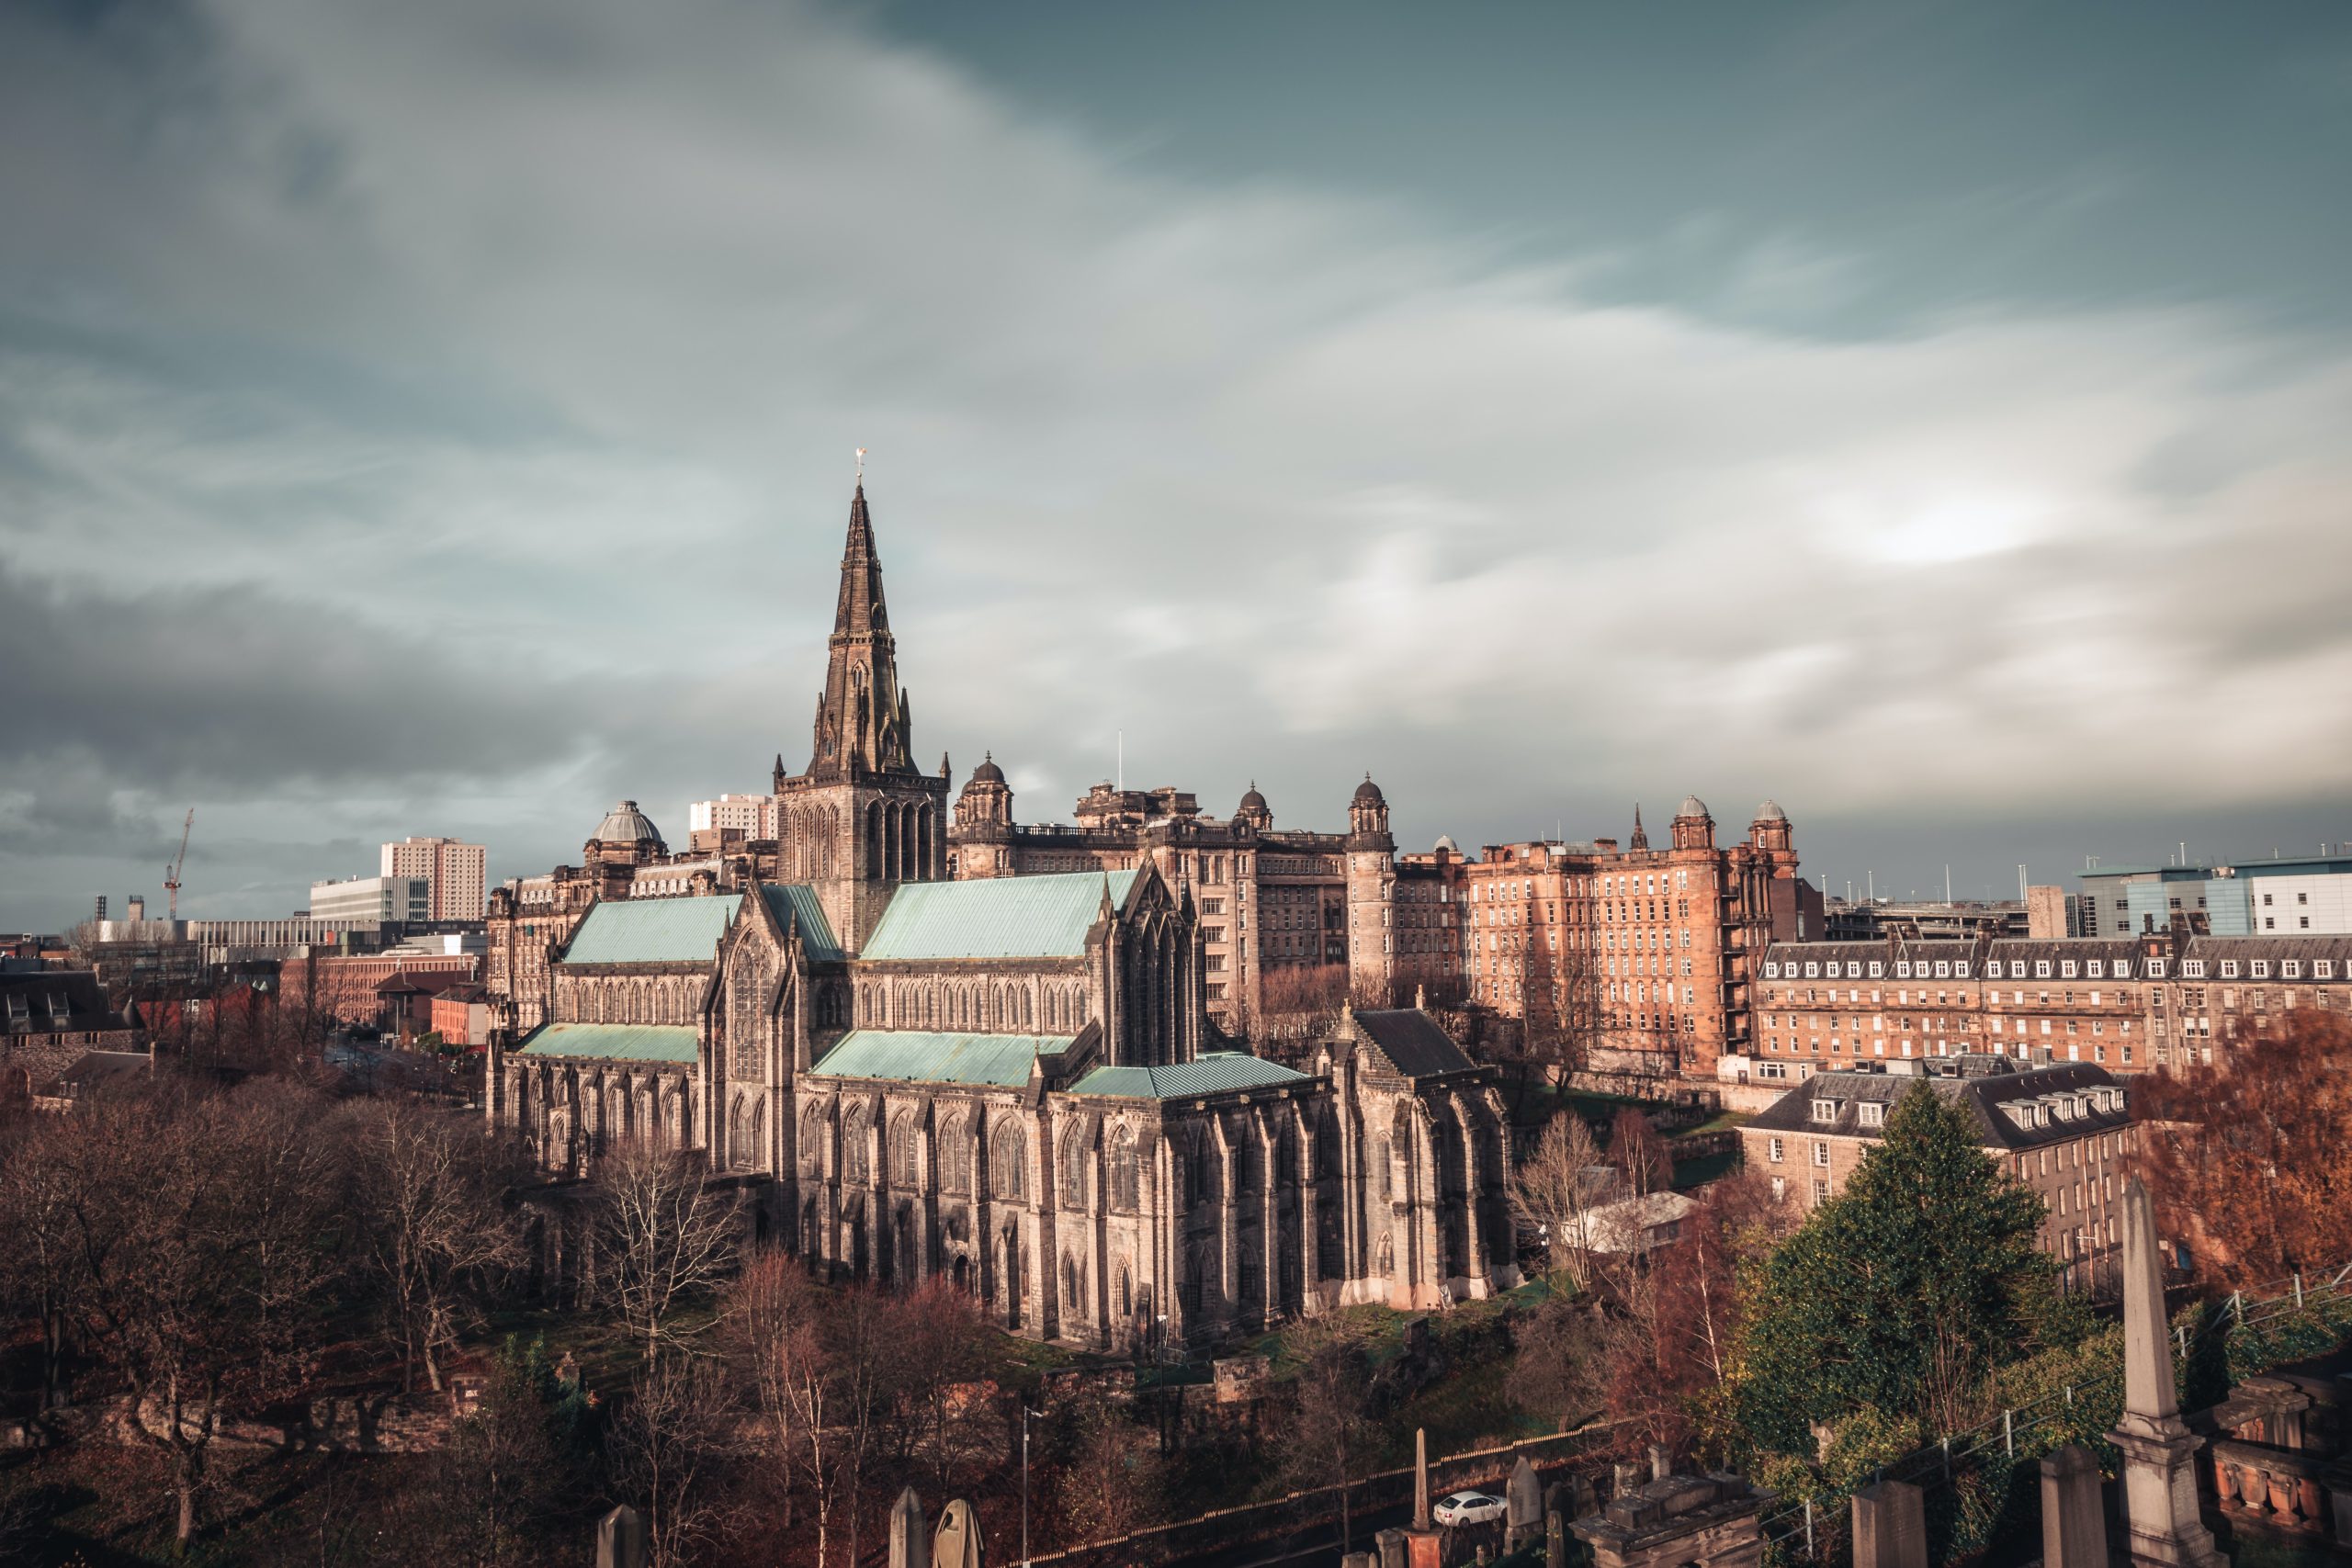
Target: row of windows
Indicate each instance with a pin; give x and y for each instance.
(2042, 968)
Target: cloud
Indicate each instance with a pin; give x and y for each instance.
(453, 404)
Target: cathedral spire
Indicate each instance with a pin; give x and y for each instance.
(863, 720)
(1641, 840)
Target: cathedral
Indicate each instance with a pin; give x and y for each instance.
(1012, 1080)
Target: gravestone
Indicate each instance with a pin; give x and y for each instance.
(620, 1539)
(2162, 1526)
(2074, 1519)
(1890, 1526)
(909, 1545)
(1523, 1496)
(957, 1542)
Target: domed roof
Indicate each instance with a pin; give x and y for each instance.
(1368, 792)
(1253, 801)
(1693, 807)
(1770, 812)
(625, 824)
(988, 771)
(1445, 842)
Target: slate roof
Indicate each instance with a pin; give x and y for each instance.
(1412, 1042)
(906, 1055)
(55, 1001)
(1014, 916)
(1980, 1096)
(95, 1070)
(2301, 944)
(790, 901)
(1215, 1072)
(653, 931)
(613, 1042)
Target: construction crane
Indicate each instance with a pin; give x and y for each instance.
(172, 872)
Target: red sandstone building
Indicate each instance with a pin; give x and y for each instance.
(2122, 1004)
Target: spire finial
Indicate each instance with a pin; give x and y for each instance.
(861, 468)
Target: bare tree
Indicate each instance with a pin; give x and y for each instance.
(499, 1481)
(936, 1344)
(665, 1236)
(1560, 1368)
(1564, 1019)
(1552, 1188)
(437, 1232)
(666, 1451)
(771, 1335)
(1298, 1003)
(1104, 1476)
(40, 1267)
(208, 1233)
(1642, 1162)
(1331, 1436)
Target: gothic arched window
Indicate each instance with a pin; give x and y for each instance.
(902, 1151)
(1008, 1158)
(955, 1156)
(1123, 1170)
(857, 1165)
(1072, 1167)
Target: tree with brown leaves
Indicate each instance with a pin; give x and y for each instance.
(2251, 1159)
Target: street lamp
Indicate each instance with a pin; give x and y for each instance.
(1026, 1414)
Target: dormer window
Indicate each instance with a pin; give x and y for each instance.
(1870, 1114)
(2228, 968)
(2066, 970)
(2156, 969)
(2041, 968)
(2193, 968)
(2323, 968)
(1903, 969)
(2291, 969)
(1993, 970)
(1878, 970)
(2260, 968)
(1960, 970)
(1825, 1110)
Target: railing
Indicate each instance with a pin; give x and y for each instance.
(1814, 1530)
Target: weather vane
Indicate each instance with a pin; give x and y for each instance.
(860, 465)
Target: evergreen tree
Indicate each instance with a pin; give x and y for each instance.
(1900, 1295)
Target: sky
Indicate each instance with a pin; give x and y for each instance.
(438, 418)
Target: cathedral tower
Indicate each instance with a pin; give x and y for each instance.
(862, 819)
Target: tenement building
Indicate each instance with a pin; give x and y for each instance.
(1659, 947)
(2065, 1132)
(1010, 1081)
(2126, 1004)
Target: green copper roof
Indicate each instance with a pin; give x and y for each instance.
(1013, 917)
(653, 931)
(915, 1056)
(1215, 1072)
(792, 901)
(613, 1042)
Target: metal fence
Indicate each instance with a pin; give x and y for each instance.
(1814, 1530)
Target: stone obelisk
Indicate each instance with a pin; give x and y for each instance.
(2162, 1528)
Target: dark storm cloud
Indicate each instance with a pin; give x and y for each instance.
(231, 688)
(437, 418)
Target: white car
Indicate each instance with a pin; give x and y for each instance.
(1469, 1508)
